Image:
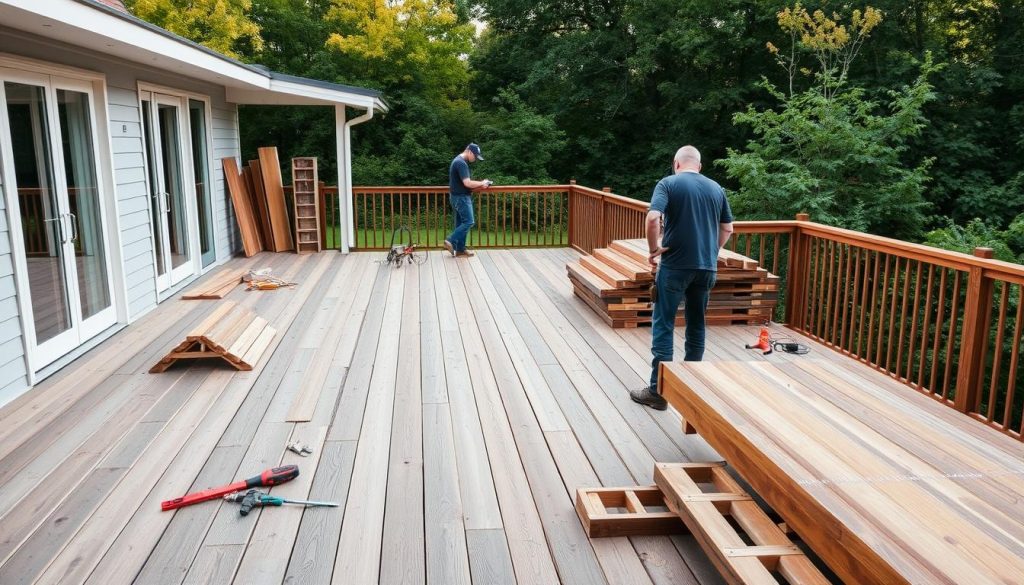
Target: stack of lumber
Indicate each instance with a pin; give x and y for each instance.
(257, 195)
(231, 333)
(615, 282)
(216, 286)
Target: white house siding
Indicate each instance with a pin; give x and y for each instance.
(133, 217)
(13, 377)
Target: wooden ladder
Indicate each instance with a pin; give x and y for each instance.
(307, 206)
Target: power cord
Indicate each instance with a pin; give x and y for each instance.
(789, 345)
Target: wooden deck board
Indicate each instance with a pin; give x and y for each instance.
(454, 408)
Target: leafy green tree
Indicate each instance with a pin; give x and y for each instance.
(222, 25)
(521, 143)
(828, 149)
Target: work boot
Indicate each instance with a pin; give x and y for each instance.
(448, 246)
(464, 254)
(647, 397)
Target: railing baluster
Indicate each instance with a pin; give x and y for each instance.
(924, 329)
(1011, 383)
(892, 309)
(939, 322)
(883, 295)
(998, 350)
(913, 329)
(952, 335)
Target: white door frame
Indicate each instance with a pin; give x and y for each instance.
(153, 93)
(51, 78)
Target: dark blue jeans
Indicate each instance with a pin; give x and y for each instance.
(675, 286)
(462, 207)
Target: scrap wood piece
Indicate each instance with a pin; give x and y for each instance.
(243, 212)
(216, 286)
(259, 195)
(232, 333)
(270, 168)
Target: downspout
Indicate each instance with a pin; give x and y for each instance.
(345, 195)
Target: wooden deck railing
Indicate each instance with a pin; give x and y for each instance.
(947, 324)
(518, 216)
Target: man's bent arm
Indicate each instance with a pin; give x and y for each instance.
(724, 233)
(471, 184)
(653, 230)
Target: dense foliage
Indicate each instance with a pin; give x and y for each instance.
(914, 128)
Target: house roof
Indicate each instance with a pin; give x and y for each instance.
(97, 25)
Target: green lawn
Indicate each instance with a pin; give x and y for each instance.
(433, 238)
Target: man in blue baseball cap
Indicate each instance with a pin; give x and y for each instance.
(460, 189)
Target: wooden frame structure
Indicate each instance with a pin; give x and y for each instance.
(306, 204)
(231, 333)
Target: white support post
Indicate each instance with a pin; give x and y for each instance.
(346, 226)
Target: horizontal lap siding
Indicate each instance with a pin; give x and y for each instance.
(131, 194)
(225, 144)
(13, 374)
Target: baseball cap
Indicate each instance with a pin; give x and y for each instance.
(475, 149)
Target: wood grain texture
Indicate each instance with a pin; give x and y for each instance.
(270, 168)
(857, 497)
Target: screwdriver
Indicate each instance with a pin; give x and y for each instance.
(255, 498)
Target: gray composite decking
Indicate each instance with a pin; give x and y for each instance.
(454, 408)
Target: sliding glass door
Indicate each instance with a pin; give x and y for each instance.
(175, 235)
(63, 265)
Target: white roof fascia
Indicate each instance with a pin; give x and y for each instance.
(92, 22)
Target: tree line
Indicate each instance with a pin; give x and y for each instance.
(903, 118)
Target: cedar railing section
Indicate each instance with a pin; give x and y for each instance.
(947, 324)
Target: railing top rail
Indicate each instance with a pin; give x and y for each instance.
(444, 188)
(938, 256)
(619, 199)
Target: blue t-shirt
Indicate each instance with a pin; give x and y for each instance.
(693, 206)
(458, 172)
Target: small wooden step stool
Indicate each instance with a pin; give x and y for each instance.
(232, 333)
(701, 498)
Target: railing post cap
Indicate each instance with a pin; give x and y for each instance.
(606, 189)
(982, 252)
(803, 217)
(572, 181)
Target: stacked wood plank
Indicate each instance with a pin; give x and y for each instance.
(257, 195)
(883, 483)
(216, 286)
(616, 282)
(232, 333)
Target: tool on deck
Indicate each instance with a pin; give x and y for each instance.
(767, 344)
(299, 447)
(764, 341)
(255, 499)
(270, 477)
(400, 254)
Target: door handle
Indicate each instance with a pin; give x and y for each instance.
(167, 202)
(60, 226)
(74, 226)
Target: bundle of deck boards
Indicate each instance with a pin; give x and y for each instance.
(615, 282)
(257, 195)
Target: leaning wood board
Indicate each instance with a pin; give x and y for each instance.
(884, 484)
(243, 211)
(270, 169)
